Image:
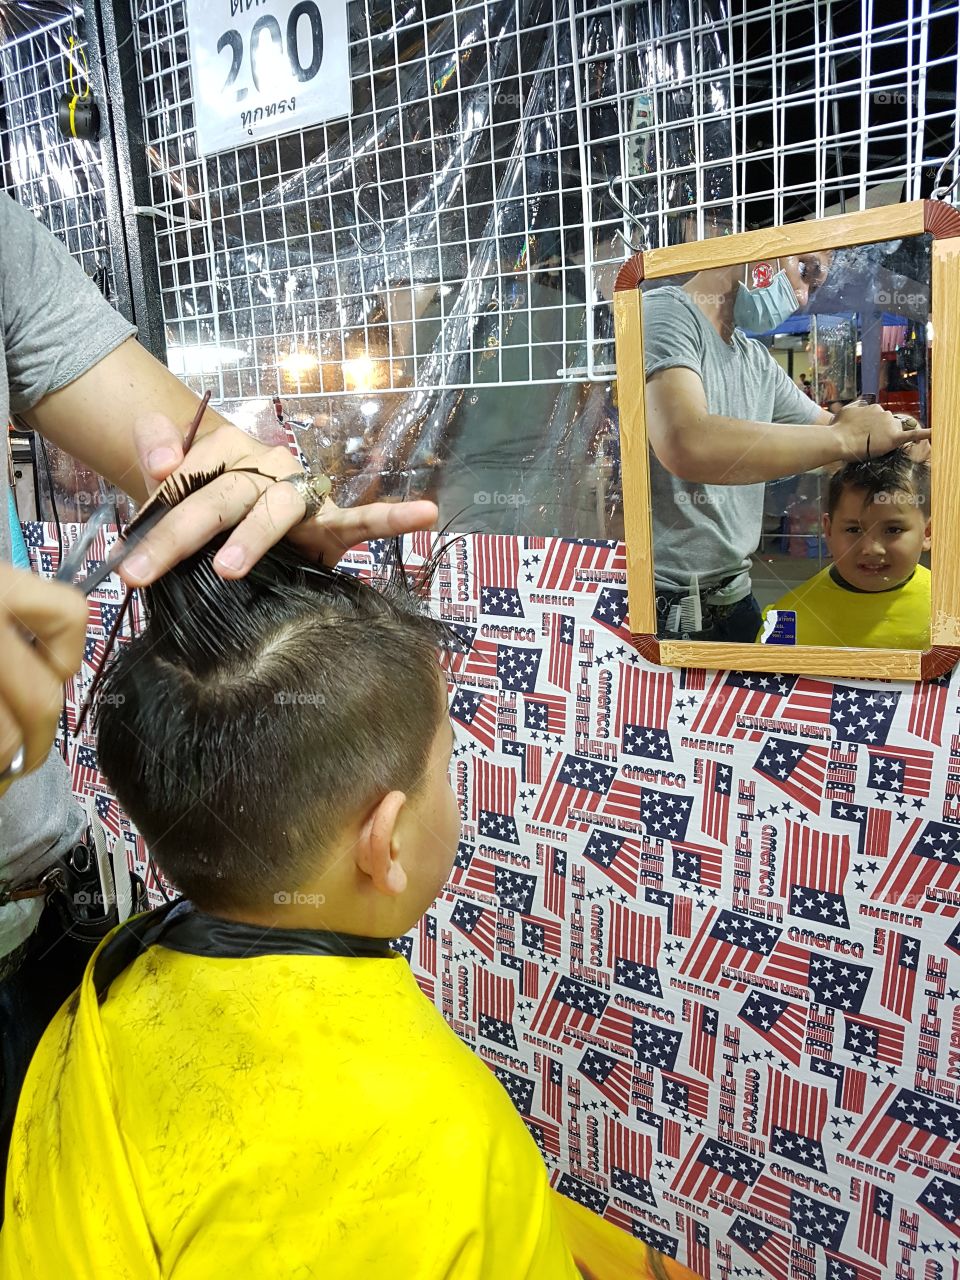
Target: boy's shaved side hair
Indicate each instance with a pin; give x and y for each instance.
(254, 718)
(891, 473)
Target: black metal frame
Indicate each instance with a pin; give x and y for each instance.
(113, 76)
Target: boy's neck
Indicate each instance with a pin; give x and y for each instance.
(315, 912)
(841, 581)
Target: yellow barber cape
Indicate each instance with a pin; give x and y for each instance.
(281, 1116)
(829, 614)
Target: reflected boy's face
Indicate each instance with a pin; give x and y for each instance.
(877, 546)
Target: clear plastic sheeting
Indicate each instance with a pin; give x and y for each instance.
(427, 285)
(29, 16)
(59, 179)
(676, 115)
(657, 111)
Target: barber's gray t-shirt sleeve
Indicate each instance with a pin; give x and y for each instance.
(671, 337)
(56, 323)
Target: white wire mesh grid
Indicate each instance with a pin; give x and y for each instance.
(369, 223)
(787, 111)
(492, 148)
(59, 179)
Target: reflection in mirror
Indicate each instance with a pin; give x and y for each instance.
(785, 401)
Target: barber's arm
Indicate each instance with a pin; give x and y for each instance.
(126, 417)
(707, 448)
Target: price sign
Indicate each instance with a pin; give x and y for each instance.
(264, 67)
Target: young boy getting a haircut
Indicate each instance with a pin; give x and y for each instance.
(876, 594)
(249, 1083)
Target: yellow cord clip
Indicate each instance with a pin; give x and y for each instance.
(76, 95)
(79, 115)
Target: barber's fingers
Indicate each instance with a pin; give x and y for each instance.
(30, 702)
(324, 537)
(870, 430)
(278, 509)
(219, 505)
(914, 437)
(334, 530)
(919, 450)
(886, 438)
(32, 674)
(264, 511)
(159, 447)
(53, 613)
(11, 737)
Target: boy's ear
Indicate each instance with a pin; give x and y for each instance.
(926, 537)
(375, 852)
(826, 525)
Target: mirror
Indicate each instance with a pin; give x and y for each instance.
(768, 382)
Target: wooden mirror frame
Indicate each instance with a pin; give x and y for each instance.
(942, 222)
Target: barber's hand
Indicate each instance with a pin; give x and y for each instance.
(262, 510)
(32, 674)
(920, 451)
(859, 423)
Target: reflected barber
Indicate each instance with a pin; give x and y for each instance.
(723, 418)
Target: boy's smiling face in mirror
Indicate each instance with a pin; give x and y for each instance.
(876, 546)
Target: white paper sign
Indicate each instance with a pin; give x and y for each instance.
(265, 67)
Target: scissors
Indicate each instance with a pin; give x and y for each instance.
(73, 562)
(71, 566)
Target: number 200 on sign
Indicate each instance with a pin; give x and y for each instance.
(280, 45)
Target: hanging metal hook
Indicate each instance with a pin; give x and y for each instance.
(631, 217)
(634, 248)
(366, 212)
(939, 192)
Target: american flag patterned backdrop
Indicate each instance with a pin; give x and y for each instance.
(704, 927)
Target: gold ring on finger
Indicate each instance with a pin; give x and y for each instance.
(313, 489)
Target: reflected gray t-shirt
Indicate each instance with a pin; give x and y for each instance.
(499, 477)
(709, 529)
(55, 325)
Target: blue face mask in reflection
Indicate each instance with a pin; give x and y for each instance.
(760, 310)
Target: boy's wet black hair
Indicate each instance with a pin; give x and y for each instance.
(254, 717)
(890, 473)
